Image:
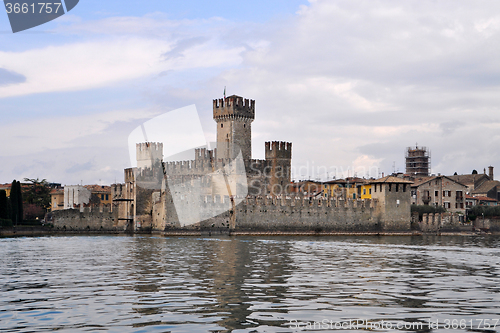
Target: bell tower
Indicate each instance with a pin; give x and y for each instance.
(234, 116)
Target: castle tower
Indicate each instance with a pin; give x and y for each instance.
(234, 116)
(148, 154)
(279, 158)
(418, 161)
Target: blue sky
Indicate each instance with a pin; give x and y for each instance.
(350, 82)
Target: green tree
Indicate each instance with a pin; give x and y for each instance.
(16, 201)
(474, 172)
(455, 173)
(4, 205)
(38, 193)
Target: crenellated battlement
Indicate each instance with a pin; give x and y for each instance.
(148, 153)
(278, 149)
(199, 166)
(234, 107)
(295, 201)
(150, 146)
(203, 154)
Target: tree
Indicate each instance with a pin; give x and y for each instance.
(455, 173)
(16, 201)
(474, 172)
(4, 205)
(38, 193)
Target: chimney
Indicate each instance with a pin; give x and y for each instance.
(490, 172)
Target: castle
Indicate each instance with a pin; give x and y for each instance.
(225, 190)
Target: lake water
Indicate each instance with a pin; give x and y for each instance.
(249, 284)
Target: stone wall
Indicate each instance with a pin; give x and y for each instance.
(268, 214)
(443, 222)
(87, 219)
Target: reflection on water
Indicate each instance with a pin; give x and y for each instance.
(144, 284)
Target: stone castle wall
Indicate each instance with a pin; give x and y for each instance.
(443, 222)
(268, 214)
(87, 219)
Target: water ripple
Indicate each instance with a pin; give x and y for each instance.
(144, 284)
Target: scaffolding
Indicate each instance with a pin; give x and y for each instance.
(418, 161)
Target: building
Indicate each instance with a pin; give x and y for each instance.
(350, 187)
(393, 197)
(76, 196)
(56, 199)
(307, 188)
(440, 191)
(471, 181)
(100, 195)
(6, 188)
(479, 201)
(227, 172)
(418, 161)
(209, 194)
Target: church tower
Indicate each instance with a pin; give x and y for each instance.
(234, 116)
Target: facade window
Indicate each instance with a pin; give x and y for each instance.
(364, 191)
(436, 193)
(397, 187)
(221, 125)
(102, 196)
(369, 191)
(404, 187)
(107, 196)
(389, 187)
(446, 205)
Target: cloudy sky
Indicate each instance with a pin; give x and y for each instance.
(351, 83)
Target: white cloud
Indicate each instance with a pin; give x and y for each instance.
(349, 82)
(38, 135)
(116, 50)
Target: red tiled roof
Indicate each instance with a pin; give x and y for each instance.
(391, 179)
(98, 188)
(481, 198)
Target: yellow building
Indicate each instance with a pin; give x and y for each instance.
(6, 188)
(349, 188)
(364, 191)
(102, 192)
(56, 199)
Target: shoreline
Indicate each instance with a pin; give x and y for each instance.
(38, 232)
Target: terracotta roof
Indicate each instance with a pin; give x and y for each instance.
(486, 186)
(57, 191)
(391, 179)
(424, 180)
(350, 180)
(471, 179)
(420, 181)
(98, 188)
(482, 198)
